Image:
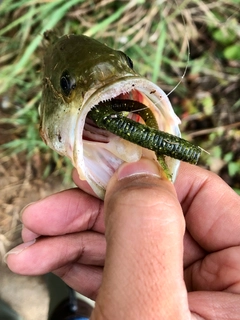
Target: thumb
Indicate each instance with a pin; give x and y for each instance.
(143, 273)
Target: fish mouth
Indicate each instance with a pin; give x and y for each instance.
(97, 154)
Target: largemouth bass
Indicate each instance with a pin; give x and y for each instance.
(82, 76)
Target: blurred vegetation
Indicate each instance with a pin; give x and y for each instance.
(161, 37)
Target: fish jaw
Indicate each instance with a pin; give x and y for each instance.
(97, 159)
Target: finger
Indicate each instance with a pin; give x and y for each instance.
(64, 212)
(219, 271)
(192, 250)
(51, 253)
(215, 305)
(85, 279)
(82, 184)
(144, 259)
(211, 207)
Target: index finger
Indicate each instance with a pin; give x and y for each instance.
(65, 212)
(211, 208)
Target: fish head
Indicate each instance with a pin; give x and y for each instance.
(78, 73)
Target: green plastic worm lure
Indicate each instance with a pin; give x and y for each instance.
(99, 112)
(162, 143)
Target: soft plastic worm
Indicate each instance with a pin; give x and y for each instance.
(107, 116)
(133, 106)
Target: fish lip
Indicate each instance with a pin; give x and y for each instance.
(109, 91)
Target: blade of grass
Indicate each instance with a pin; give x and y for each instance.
(26, 27)
(23, 61)
(160, 47)
(59, 13)
(105, 23)
(8, 5)
(18, 21)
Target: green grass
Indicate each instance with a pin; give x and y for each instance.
(157, 37)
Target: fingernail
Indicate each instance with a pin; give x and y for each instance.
(141, 167)
(19, 249)
(23, 209)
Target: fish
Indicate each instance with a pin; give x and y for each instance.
(80, 74)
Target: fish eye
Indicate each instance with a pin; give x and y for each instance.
(129, 61)
(67, 83)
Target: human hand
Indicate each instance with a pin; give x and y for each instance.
(144, 227)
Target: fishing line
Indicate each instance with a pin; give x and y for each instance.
(188, 53)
